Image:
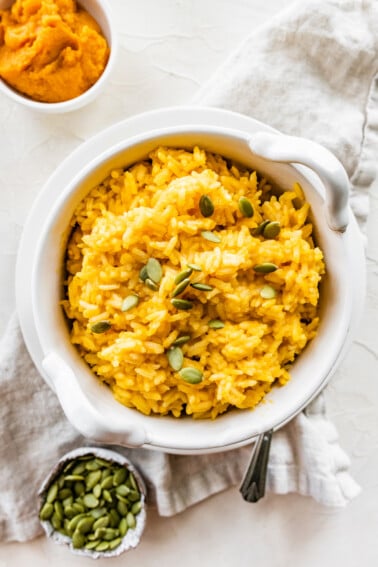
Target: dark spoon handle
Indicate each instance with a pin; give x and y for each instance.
(253, 485)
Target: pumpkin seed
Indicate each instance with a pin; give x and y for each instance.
(136, 507)
(72, 524)
(206, 206)
(90, 501)
(78, 508)
(202, 286)
(122, 498)
(91, 544)
(175, 358)
(268, 292)
(143, 275)
(107, 482)
(78, 540)
(182, 304)
(102, 522)
(110, 533)
(216, 324)
(180, 287)
(64, 493)
(58, 509)
(97, 512)
(84, 526)
(191, 375)
(259, 229)
(79, 488)
(92, 465)
(123, 490)
(129, 302)
(52, 493)
(181, 340)
(132, 482)
(79, 468)
(154, 270)
(114, 543)
(122, 508)
(107, 496)
(46, 511)
(123, 527)
(92, 479)
(72, 477)
(245, 207)
(130, 520)
(133, 495)
(114, 518)
(151, 284)
(102, 546)
(56, 522)
(265, 268)
(97, 490)
(119, 476)
(183, 275)
(210, 236)
(272, 229)
(100, 327)
(195, 267)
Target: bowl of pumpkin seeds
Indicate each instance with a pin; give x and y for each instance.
(94, 502)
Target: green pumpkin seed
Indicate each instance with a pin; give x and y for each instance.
(114, 543)
(191, 375)
(102, 522)
(132, 482)
(210, 236)
(67, 501)
(58, 509)
(143, 275)
(216, 324)
(97, 512)
(92, 465)
(268, 292)
(183, 275)
(133, 495)
(79, 488)
(175, 358)
(56, 522)
(64, 493)
(79, 468)
(260, 228)
(180, 287)
(84, 526)
(90, 501)
(103, 463)
(72, 524)
(102, 546)
(245, 207)
(74, 477)
(129, 302)
(92, 479)
(119, 476)
(107, 496)
(46, 511)
(122, 498)
(195, 267)
(99, 533)
(97, 490)
(181, 340)
(123, 490)
(130, 520)
(52, 493)
(122, 508)
(107, 482)
(100, 327)
(202, 286)
(114, 518)
(110, 534)
(206, 206)
(123, 527)
(154, 270)
(105, 473)
(272, 229)
(79, 508)
(91, 544)
(70, 512)
(265, 268)
(183, 304)
(136, 507)
(151, 284)
(78, 540)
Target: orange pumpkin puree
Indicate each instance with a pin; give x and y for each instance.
(50, 50)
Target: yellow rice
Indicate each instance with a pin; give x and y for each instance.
(151, 210)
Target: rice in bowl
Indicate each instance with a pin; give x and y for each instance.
(182, 298)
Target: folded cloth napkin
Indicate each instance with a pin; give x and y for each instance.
(311, 72)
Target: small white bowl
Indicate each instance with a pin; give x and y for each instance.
(101, 12)
(133, 535)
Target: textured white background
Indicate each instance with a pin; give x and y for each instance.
(168, 49)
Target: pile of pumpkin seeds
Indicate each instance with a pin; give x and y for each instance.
(94, 502)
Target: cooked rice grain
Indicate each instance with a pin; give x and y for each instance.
(152, 210)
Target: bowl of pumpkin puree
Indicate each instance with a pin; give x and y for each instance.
(55, 55)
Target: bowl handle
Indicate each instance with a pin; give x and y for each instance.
(86, 418)
(290, 149)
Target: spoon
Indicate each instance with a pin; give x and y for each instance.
(253, 485)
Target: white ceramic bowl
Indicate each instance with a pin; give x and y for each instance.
(102, 13)
(89, 405)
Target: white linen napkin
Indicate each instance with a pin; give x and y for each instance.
(310, 72)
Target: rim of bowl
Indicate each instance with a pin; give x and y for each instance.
(90, 94)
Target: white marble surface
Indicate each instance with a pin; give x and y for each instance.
(168, 49)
